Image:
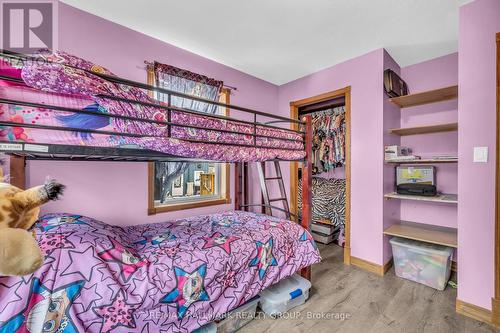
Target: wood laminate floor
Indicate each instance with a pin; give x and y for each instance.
(373, 304)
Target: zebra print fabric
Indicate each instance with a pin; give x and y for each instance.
(328, 201)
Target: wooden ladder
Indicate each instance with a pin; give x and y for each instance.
(261, 167)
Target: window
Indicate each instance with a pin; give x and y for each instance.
(200, 184)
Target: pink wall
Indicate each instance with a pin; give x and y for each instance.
(364, 75)
(432, 74)
(117, 192)
(479, 22)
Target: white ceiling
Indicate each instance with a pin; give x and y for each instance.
(282, 40)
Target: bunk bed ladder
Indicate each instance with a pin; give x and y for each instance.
(261, 167)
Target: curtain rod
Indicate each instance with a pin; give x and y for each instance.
(149, 63)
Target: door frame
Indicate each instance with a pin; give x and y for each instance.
(294, 114)
(495, 301)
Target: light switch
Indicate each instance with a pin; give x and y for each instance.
(480, 154)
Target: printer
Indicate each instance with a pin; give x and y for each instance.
(416, 180)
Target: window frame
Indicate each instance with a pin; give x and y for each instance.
(225, 195)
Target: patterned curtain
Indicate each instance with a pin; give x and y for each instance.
(184, 81)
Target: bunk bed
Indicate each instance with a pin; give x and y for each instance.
(172, 276)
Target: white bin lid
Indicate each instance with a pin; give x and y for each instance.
(287, 289)
(208, 328)
(422, 246)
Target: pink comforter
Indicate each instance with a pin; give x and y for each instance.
(166, 277)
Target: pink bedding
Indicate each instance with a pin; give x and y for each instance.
(165, 277)
(58, 85)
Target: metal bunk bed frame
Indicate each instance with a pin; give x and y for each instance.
(21, 151)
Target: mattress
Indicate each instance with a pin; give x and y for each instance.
(170, 277)
(57, 85)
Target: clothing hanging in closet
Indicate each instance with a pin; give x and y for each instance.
(329, 139)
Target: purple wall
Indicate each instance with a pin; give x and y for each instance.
(364, 75)
(117, 192)
(436, 73)
(479, 22)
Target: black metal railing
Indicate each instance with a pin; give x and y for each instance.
(166, 109)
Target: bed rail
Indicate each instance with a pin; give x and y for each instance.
(87, 153)
(131, 83)
(165, 108)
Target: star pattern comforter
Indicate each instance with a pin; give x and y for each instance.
(165, 277)
(65, 80)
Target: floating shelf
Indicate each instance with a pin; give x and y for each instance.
(441, 198)
(426, 97)
(425, 161)
(425, 233)
(425, 129)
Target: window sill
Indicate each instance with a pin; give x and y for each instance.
(188, 205)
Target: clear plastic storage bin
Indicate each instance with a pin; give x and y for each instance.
(238, 317)
(285, 295)
(321, 228)
(322, 238)
(208, 328)
(425, 263)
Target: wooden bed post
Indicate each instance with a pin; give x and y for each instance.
(245, 186)
(18, 171)
(238, 191)
(306, 187)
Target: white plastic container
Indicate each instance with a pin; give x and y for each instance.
(322, 238)
(285, 295)
(425, 263)
(238, 317)
(322, 228)
(208, 328)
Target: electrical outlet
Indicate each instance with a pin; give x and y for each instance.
(480, 154)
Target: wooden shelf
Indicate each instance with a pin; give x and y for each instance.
(425, 161)
(425, 233)
(426, 97)
(441, 198)
(425, 129)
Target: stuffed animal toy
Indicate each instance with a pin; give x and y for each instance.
(19, 251)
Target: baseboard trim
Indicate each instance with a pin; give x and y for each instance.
(495, 312)
(388, 266)
(370, 266)
(473, 311)
(347, 256)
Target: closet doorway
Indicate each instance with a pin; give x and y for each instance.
(321, 102)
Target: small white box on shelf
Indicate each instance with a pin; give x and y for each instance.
(394, 152)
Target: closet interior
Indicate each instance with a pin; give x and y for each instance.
(329, 176)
